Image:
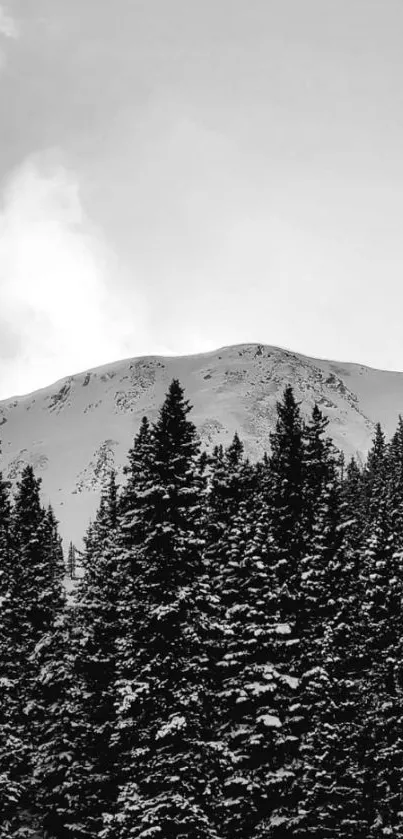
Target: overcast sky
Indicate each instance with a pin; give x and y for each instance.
(177, 175)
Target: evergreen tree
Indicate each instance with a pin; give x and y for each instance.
(286, 504)
(321, 520)
(92, 787)
(11, 744)
(254, 720)
(353, 504)
(34, 597)
(382, 740)
(394, 481)
(54, 545)
(57, 696)
(328, 798)
(331, 797)
(138, 476)
(319, 467)
(71, 561)
(251, 688)
(163, 715)
(375, 473)
(230, 479)
(35, 603)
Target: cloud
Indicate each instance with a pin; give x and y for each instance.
(58, 310)
(8, 26)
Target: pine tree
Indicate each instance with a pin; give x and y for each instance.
(319, 466)
(350, 783)
(329, 688)
(54, 545)
(163, 715)
(92, 787)
(286, 503)
(321, 521)
(31, 614)
(394, 481)
(71, 561)
(138, 476)
(374, 477)
(256, 691)
(11, 745)
(35, 597)
(382, 741)
(57, 697)
(250, 689)
(230, 479)
(353, 504)
(331, 800)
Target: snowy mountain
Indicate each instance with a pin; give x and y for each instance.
(74, 431)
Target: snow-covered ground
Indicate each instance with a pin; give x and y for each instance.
(75, 430)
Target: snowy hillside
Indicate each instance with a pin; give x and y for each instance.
(74, 431)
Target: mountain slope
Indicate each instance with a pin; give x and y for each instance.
(74, 431)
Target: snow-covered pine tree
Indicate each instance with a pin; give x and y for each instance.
(250, 689)
(374, 475)
(231, 479)
(320, 466)
(163, 715)
(394, 469)
(284, 498)
(138, 475)
(286, 504)
(353, 503)
(382, 740)
(325, 601)
(57, 697)
(54, 545)
(278, 541)
(330, 802)
(92, 785)
(71, 561)
(322, 538)
(255, 689)
(11, 787)
(351, 782)
(36, 595)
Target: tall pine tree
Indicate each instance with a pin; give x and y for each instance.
(163, 716)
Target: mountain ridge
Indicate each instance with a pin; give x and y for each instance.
(76, 429)
(225, 347)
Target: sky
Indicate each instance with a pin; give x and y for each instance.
(178, 175)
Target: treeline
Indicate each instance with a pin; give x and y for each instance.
(230, 665)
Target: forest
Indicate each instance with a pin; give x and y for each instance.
(230, 664)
